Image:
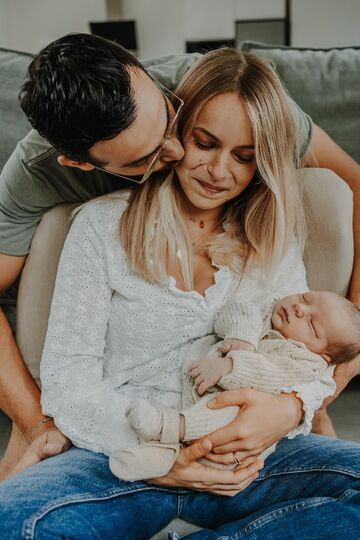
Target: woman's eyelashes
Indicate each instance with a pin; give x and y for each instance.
(211, 145)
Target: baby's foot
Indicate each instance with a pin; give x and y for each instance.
(143, 462)
(153, 423)
(145, 419)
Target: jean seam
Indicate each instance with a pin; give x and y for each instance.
(347, 495)
(299, 469)
(278, 513)
(30, 524)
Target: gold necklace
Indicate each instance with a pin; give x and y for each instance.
(201, 222)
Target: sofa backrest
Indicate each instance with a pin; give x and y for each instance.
(13, 122)
(325, 83)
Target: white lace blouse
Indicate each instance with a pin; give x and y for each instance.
(112, 336)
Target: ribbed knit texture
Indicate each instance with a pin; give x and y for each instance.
(200, 420)
(279, 363)
(241, 321)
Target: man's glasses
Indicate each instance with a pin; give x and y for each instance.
(171, 130)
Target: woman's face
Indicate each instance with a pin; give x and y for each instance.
(219, 160)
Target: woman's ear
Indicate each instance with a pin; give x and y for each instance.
(67, 162)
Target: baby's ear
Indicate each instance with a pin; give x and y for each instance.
(326, 357)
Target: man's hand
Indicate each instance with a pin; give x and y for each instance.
(342, 375)
(47, 444)
(208, 371)
(188, 473)
(263, 420)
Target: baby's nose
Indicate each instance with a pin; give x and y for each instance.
(298, 310)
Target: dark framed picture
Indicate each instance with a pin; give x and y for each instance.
(123, 32)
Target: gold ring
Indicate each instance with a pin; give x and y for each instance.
(237, 460)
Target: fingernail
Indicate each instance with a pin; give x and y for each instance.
(211, 403)
(207, 444)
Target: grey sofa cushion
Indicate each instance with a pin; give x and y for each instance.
(13, 124)
(325, 83)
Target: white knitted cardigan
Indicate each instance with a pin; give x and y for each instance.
(112, 336)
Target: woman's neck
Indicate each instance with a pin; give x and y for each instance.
(199, 215)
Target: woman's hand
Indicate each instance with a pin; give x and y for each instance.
(188, 473)
(263, 420)
(48, 443)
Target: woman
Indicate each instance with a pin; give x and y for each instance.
(126, 310)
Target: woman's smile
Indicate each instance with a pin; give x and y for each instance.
(209, 188)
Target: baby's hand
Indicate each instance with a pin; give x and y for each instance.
(233, 344)
(208, 371)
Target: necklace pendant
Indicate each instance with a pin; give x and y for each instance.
(201, 224)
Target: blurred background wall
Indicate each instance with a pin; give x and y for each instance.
(164, 26)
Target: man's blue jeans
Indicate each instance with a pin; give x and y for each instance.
(309, 488)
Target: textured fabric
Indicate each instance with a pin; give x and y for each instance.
(277, 366)
(324, 83)
(95, 358)
(241, 321)
(112, 336)
(13, 123)
(309, 488)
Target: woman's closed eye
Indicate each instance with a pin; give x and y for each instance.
(207, 145)
(203, 145)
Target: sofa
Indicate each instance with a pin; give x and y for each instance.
(325, 83)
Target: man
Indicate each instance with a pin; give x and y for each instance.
(100, 120)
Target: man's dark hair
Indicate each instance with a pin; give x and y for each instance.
(77, 92)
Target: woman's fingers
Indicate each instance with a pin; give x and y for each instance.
(232, 490)
(230, 397)
(193, 452)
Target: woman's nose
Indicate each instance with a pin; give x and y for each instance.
(172, 151)
(218, 167)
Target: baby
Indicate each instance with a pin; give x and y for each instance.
(295, 344)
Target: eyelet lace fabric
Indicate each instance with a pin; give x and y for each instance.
(113, 337)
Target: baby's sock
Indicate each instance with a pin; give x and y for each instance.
(153, 423)
(142, 462)
(200, 420)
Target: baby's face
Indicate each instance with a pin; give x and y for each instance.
(318, 319)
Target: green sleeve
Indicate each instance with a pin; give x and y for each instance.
(169, 70)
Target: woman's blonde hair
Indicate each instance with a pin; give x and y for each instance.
(261, 221)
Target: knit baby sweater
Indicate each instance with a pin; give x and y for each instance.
(113, 336)
(278, 364)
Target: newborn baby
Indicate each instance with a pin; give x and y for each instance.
(296, 342)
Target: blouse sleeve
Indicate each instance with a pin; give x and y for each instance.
(84, 405)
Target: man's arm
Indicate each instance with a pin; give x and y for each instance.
(329, 155)
(19, 394)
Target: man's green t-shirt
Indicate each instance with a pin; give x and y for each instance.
(32, 181)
